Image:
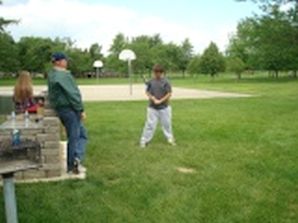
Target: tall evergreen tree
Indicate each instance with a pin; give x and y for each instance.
(212, 61)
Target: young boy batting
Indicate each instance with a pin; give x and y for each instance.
(159, 92)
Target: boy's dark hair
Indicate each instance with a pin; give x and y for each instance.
(158, 68)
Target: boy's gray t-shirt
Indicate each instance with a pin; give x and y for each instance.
(159, 89)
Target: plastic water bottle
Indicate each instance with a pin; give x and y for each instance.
(13, 118)
(16, 137)
(27, 119)
(13, 115)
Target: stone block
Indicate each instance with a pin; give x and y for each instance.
(41, 137)
(55, 136)
(34, 174)
(51, 121)
(52, 129)
(52, 145)
(53, 173)
(49, 113)
(5, 133)
(4, 137)
(32, 138)
(53, 159)
(51, 166)
(19, 176)
(50, 152)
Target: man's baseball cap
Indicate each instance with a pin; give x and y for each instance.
(58, 56)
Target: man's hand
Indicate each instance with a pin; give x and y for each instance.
(83, 116)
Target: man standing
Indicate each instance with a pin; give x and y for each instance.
(159, 92)
(65, 98)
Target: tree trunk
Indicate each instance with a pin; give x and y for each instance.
(183, 73)
(276, 74)
(239, 76)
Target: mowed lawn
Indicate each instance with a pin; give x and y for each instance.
(244, 153)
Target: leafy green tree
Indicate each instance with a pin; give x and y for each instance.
(274, 36)
(34, 53)
(142, 46)
(168, 55)
(173, 56)
(186, 55)
(120, 42)
(293, 51)
(95, 51)
(156, 40)
(267, 43)
(5, 22)
(80, 61)
(194, 65)
(113, 63)
(273, 43)
(212, 61)
(150, 50)
(8, 48)
(236, 65)
(8, 54)
(59, 45)
(269, 6)
(242, 44)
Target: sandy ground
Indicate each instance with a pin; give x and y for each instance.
(122, 93)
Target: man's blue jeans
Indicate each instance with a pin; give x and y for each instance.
(76, 135)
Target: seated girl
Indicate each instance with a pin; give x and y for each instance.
(23, 94)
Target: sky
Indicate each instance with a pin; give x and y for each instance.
(98, 21)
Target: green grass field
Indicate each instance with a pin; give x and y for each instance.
(244, 153)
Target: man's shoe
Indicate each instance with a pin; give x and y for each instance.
(76, 164)
(70, 173)
(78, 167)
(82, 169)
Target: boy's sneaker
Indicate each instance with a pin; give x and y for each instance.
(143, 145)
(172, 142)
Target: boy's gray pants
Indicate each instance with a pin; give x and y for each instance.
(153, 117)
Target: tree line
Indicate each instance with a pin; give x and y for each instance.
(34, 53)
(268, 41)
(262, 42)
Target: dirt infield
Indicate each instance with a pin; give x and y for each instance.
(121, 93)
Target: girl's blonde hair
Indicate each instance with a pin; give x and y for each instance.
(23, 89)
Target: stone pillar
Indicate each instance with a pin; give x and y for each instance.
(48, 135)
